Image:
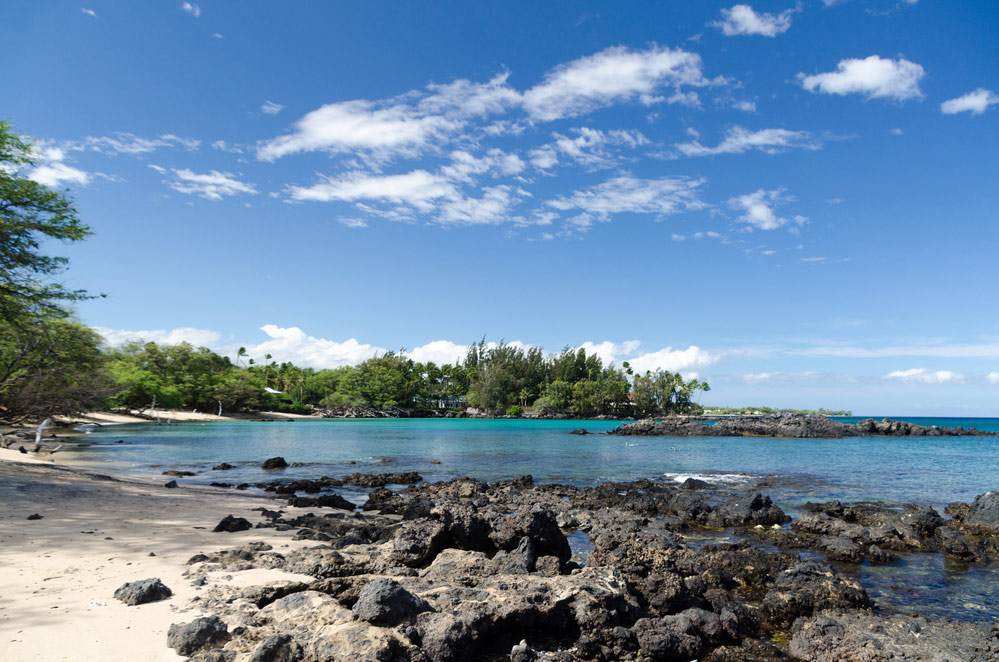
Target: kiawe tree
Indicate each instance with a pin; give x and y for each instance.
(49, 363)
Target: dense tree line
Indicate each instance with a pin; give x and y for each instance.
(51, 364)
(497, 378)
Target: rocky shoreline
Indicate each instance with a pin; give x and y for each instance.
(463, 570)
(781, 424)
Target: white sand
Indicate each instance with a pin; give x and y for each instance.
(58, 574)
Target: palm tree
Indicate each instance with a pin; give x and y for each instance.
(240, 353)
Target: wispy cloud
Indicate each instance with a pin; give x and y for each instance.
(191, 8)
(360, 126)
(89, 12)
(196, 337)
(873, 77)
(271, 108)
(743, 20)
(213, 185)
(627, 194)
(417, 189)
(758, 209)
(738, 140)
(976, 102)
(610, 76)
(924, 376)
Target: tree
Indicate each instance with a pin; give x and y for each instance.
(49, 363)
(30, 213)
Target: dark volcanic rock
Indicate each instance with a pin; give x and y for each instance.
(381, 480)
(417, 542)
(278, 648)
(782, 424)
(984, 512)
(274, 463)
(807, 588)
(385, 602)
(537, 524)
(142, 591)
(864, 637)
(201, 632)
(225, 466)
(520, 561)
(178, 474)
(746, 510)
(232, 524)
(324, 501)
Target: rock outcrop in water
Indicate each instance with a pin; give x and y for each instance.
(464, 570)
(784, 424)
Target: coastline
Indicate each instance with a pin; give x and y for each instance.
(58, 573)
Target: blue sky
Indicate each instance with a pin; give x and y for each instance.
(797, 202)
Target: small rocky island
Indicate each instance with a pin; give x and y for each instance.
(464, 570)
(784, 424)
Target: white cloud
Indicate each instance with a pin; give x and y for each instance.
(611, 352)
(742, 20)
(439, 351)
(418, 189)
(758, 377)
(627, 194)
(57, 173)
(192, 9)
(213, 185)
(359, 125)
(674, 360)
(758, 209)
(874, 77)
(89, 12)
(992, 377)
(610, 76)
(354, 223)
(216, 35)
(745, 106)
(921, 375)
(463, 98)
(196, 337)
(491, 209)
(464, 165)
(271, 108)
(590, 147)
(127, 143)
(294, 345)
(976, 102)
(738, 140)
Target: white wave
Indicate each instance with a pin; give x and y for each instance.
(709, 478)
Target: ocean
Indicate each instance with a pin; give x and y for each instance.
(894, 470)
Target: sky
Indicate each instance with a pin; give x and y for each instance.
(797, 202)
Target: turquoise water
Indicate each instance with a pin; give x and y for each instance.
(928, 470)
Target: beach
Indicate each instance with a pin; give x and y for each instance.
(58, 573)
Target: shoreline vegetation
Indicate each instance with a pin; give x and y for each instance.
(457, 570)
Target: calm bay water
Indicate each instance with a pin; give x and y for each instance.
(923, 470)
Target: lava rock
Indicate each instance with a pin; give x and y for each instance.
(323, 501)
(190, 637)
(537, 524)
(384, 602)
(142, 591)
(230, 524)
(225, 466)
(278, 648)
(274, 463)
(417, 542)
(984, 511)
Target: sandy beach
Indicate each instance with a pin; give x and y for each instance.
(58, 573)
